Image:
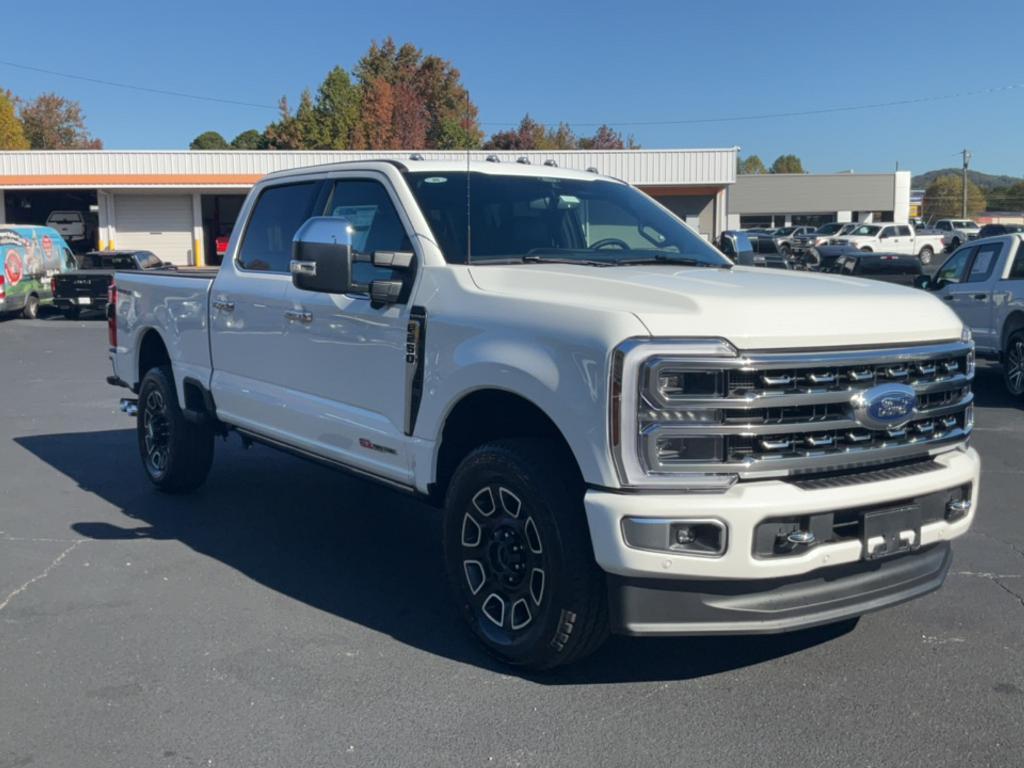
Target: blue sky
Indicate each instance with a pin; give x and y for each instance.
(580, 62)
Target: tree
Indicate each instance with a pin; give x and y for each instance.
(787, 164)
(53, 122)
(751, 164)
(12, 134)
(529, 134)
(943, 198)
(209, 140)
(251, 139)
(286, 133)
(337, 111)
(605, 138)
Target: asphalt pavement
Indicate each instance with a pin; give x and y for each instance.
(287, 615)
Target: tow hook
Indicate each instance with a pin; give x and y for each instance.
(129, 405)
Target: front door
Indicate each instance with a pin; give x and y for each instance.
(950, 281)
(976, 299)
(348, 373)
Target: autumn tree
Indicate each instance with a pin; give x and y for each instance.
(787, 164)
(286, 133)
(607, 138)
(751, 164)
(529, 134)
(53, 122)
(943, 198)
(250, 139)
(209, 140)
(12, 135)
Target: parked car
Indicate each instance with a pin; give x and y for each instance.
(888, 267)
(821, 236)
(30, 255)
(892, 238)
(785, 236)
(820, 258)
(983, 281)
(70, 224)
(86, 287)
(751, 250)
(590, 391)
(956, 231)
(992, 230)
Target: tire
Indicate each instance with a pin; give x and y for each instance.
(31, 309)
(866, 249)
(926, 255)
(176, 453)
(954, 244)
(519, 556)
(71, 313)
(1013, 364)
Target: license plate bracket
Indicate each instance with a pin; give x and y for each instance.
(889, 532)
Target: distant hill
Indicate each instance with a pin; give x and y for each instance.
(987, 181)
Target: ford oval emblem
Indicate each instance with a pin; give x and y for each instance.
(886, 406)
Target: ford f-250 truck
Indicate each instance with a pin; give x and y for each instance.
(983, 281)
(624, 430)
(893, 238)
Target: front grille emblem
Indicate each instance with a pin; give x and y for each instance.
(887, 406)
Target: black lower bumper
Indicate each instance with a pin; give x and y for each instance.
(701, 607)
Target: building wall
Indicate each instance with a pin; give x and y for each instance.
(788, 194)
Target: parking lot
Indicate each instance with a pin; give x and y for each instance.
(288, 615)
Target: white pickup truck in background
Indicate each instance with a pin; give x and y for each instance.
(624, 430)
(956, 231)
(893, 238)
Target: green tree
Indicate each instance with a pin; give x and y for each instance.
(209, 140)
(251, 139)
(53, 122)
(12, 134)
(337, 111)
(286, 133)
(751, 164)
(943, 198)
(787, 164)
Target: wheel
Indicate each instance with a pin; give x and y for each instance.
(176, 453)
(31, 309)
(954, 243)
(71, 313)
(519, 557)
(926, 255)
(785, 250)
(866, 249)
(1013, 364)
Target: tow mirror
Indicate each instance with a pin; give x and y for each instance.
(322, 255)
(923, 282)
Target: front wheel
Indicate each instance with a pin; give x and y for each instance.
(926, 255)
(866, 249)
(954, 243)
(519, 557)
(1013, 364)
(176, 453)
(31, 309)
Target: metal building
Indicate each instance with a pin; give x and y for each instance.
(177, 203)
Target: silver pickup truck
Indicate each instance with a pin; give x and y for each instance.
(983, 281)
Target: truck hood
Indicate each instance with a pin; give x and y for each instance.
(754, 308)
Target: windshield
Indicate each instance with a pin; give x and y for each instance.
(783, 231)
(866, 230)
(829, 229)
(965, 225)
(535, 218)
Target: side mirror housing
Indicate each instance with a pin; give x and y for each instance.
(924, 282)
(322, 255)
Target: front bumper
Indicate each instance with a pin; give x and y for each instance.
(741, 509)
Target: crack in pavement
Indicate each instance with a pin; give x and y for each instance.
(46, 572)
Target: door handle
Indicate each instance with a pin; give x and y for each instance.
(224, 306)
(299, 316)
(980, 296)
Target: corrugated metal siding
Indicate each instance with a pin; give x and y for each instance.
(813, 193)
(637, 166)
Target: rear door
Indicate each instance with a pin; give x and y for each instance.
(976, 294)
(950, 276)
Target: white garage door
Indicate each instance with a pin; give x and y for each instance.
(158, 223)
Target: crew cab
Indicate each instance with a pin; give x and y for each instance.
(888, 267)
(956, 231)
(821, 236)
(87, 286)
(983, 282)
(892, 238)
(624, 430)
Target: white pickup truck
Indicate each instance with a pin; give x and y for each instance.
(893, 238)
(624, 430)
(956, 231)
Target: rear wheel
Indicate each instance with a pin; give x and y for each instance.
(866, 249)
(954, 243)
(926, 255)
(1013, 364)
(519, 556)
(31, 308)
(176, 453)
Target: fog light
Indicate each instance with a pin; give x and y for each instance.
(685, 534)
(957, 508)
(690, 537)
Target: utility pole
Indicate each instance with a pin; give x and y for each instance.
(967, 160)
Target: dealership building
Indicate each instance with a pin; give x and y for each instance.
(177, 203)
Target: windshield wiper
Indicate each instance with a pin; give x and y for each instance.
(660, 258)
(534, 258)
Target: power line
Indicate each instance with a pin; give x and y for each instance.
(146, 89)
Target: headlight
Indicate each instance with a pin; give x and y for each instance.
(661, 394)
(968, 338)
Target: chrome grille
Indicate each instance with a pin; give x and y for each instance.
(779, 414)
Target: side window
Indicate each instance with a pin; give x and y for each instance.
(984, 263)
(1017, 271)
(955, 267)
(889, 232)
(943, 226)
(904, 231)
(278, 214)
(375, 223)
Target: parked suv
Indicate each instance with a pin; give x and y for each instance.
(624, 430)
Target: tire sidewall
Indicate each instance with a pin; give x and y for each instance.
(31, 310)
(1013, 339)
